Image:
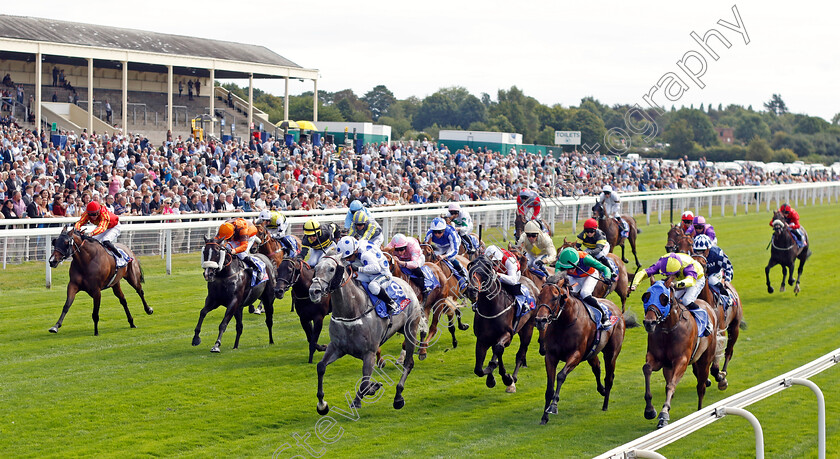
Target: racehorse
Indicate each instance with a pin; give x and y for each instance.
(621, 285)
(462, 250)
(612, 230)
(436, 303)
(784, 251)
(271, 247)
(519, 226)
(519, 253)
(92, 270)
(229, 285)
(730, 320)
(673, 344)
(356, 330)
(451, 288)
(678, 241)
(296, 274)
(568, 334)
(496, 322)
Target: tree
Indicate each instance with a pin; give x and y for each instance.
(591, 128)
(751, 125)
(700, 124)
(681, 137)
(805, 124)
(785, 155)
(776, 105)
(435, 109)
(379, 99)
(836, 120)
(758, 150)
(471, 110)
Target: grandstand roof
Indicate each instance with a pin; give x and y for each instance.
(75, 33)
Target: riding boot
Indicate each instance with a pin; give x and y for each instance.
(421, 281)
(251, 265)
(461, 269)
(592, 301)
(110, 246)
(693, 305)
(389, 302)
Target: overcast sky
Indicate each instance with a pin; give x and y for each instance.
(555, 51)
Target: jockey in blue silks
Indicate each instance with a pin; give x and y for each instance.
(355, 206)
(446, 242)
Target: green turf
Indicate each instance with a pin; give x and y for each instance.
(148, 392)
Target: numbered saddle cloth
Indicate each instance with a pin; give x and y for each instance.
(396, 292)
(472, 240)
(261, 276)
(525, 301)
(122, 259)
(704, 325)
(430, 280)
(595, 314)
(291, 245)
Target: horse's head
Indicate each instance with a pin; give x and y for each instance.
(329, 274)
(429, 252)
(778, 225)
(678, 240)
(566, 243)
(63, 247)
(288, 272)
(482, 275)
(214, 258)
(598, 211)
(550, 302)
(657, 301)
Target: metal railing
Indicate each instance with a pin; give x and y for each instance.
(133, 106)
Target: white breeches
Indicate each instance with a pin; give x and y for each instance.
(582, 286)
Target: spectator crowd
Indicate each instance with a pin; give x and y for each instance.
(131, 176)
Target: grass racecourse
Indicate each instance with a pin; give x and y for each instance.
(148, 392)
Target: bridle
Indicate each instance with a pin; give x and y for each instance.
(491, 291)
(559, 300)
(71, 243)
(659, 317)
(222, 249)
(295, 274)
(326, 289)
(673, 244)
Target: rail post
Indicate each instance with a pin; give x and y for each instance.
(47, 244)
(168, 250)
(759, 433)
(820, 411)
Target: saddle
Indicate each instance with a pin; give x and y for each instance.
(393, 290)
(704, 325)
(430, 280)
(595, 314)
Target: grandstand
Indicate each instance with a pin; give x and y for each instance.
(154, 82)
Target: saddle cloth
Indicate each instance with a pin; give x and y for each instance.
(430, 281)
(122, 259)
(704, 325)
(721, 296)
(396, 292)
(536, 269)
(595, 314)
(261, 276)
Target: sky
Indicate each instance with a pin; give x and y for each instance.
(557, 52)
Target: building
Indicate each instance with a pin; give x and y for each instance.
(725, 135)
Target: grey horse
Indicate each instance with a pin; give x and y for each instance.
(356, 329)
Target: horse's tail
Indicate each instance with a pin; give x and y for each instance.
(743, 325)
(630, 320)
(142, 277)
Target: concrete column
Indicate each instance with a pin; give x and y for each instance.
(286, 101)
(250, 101)
(212, 101)
(125, 98)
(38, 82)
(315, 101)
(169, 99)
(90, 97)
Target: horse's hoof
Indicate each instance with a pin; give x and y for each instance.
(196, 341)
(215, 349)
(552, 409)
(796, 290)
(782, 289)
(454, 344)
(708, 383)
(650, 413)
(723, 384)
(463, 327)
(132, 325)
(507, 379)
(323, 408)
(356, 404)
(544, 420)
(790, 281)
(662, 423)
(320, 347)
(769, 289)
(491, 381)
(54, 330)
(150, 311)
(421, 356)
(399, 403)
(511, 389)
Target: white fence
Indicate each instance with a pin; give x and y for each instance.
(647, 445)
(24, 240)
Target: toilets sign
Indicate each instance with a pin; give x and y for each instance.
(566, 137)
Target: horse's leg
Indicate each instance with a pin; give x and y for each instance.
(307, 329)
(595, 364)
(731, 337)
(649, 367)
(784, 276)
(498, 352)
(610, 352)
(525, 335)
(701, 371)
(317, 323)
(367, 385)
(237, 315)
(97, 298)
(72, 290)
(461, 325)
(672, 378)
(633, 246)
(411, 328)
(571, 363)
(770, 264)
(790, 270)
(229, 313)
(208, 306)
(268, 301)
(550, 373)
(121, 296)
(623, 258)
(134, 278)
(802, 260)
(480, 355)
(332, 354)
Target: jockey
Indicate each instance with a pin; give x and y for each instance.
(581, 269)
(792, 220)
(461, 220)
(355, 207)
(701, 227)
(366, 230)
(687, 272)
(239, 235)
(593, 241)
(538, 247)
(506, 267)
(528, 199)
(611, 203)
(371, 266)
(107, 225)
(445, 242)
(687, 223)
(408, 255)
(315, 240)
(718, 266)
(276, 221)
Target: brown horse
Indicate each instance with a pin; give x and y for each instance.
(449, 282)
(296, 274)
(612, 230)
(570, 335)
(621, 286)
(519, 226)
(678, 241)
(496, 322)
(673, 344)
(784, 251)
(94, 269)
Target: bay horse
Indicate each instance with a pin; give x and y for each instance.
(678, 241)
(229, 285)
(612, 230)
(92, 270)
(570, 335)
(496, 322)
(451, 287)
(673, 344)
(435, 304)
(296, 274)
(356, 330)
(520, 221)
(621, 286)
(784, 252)
(271, 247)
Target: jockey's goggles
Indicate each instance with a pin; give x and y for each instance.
(437, 231)
(399, 249)
(589, 230)
(531, 234)
(454, 212)
(93, 214)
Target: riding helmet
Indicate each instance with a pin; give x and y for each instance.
(532, 227)
(701, 243)
(699, 220)
(312, 228)
(688, 216)
(590, 223)
(438, 224)
(785, 208)
(356, 206)
(347, 246)
(399, 240)
(360, 218)
(606, 189)
(264, 216)
(225, 231)
(568, 258)
(494, 253)
(454, 207)
(93, 207)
